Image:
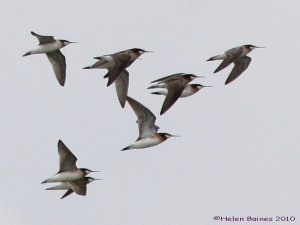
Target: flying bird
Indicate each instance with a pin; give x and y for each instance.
(239, 57)
(51, 47)
(148, 135)
(66, 186)
(116, 65)
(189, 90)
(175, 85)
(68, 171)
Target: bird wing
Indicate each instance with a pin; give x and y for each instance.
(231, 55)
(69, 191)
(43, 39)
(240, 65)
(121, 85)
(121, 62)
(58, 62)
(78, 186)
(175, 88)
(168, 77)
(226, 62)
(99, 63)
(146, 119)
(67, 161)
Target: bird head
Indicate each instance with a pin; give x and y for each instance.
(139, 51)
(88, 171)
(90, 179)
(190, 77)
(251, 47)
(65, 42)
(198, 86)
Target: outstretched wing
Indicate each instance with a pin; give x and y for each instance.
(121, 63)
(43, 39)
(121, 84)
(67, 160)
(146, 119)
(231, 55)
(175, 89)
(240, 65)
(58, 62)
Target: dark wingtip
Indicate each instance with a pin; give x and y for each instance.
(109, 82)
(33, 33)
(62, 83)
(227, 82)
(26, 54)
(60, 143)
(155, 93)
(124, 149)
(45, 181)
(87, 67)
(152, 87)
(62, 197)
(123, 104)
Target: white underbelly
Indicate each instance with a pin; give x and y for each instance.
(45, 48)
(64, 176)
(146, 142)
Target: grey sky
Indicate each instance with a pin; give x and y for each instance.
(239, 149)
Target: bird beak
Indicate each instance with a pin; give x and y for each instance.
(73, 42)
(95, 171)
(97, 179)
(174, 135)
(206, 86)
(259, 47)
(149, 52)
(199, 76)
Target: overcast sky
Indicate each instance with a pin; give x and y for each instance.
(239, 150)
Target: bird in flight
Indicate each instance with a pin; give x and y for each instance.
(239, 57)
(116, 65)
(51, 47)
(148, 135)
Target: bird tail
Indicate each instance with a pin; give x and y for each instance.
(27, 53)
(157, 93)
(54, 188)
(45, 181)
(217, 57)
(157, 86)
(88, 67)
(126, 148)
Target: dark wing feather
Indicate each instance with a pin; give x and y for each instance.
(226, 62)
(58, 62)
(70, 191)
(78, 186)
(43, 39)
(121, 63)
(174, 91)
(67, 161)
(121, 84)
(240, 65)
(231, 55)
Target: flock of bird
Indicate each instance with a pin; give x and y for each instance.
(173, 87)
